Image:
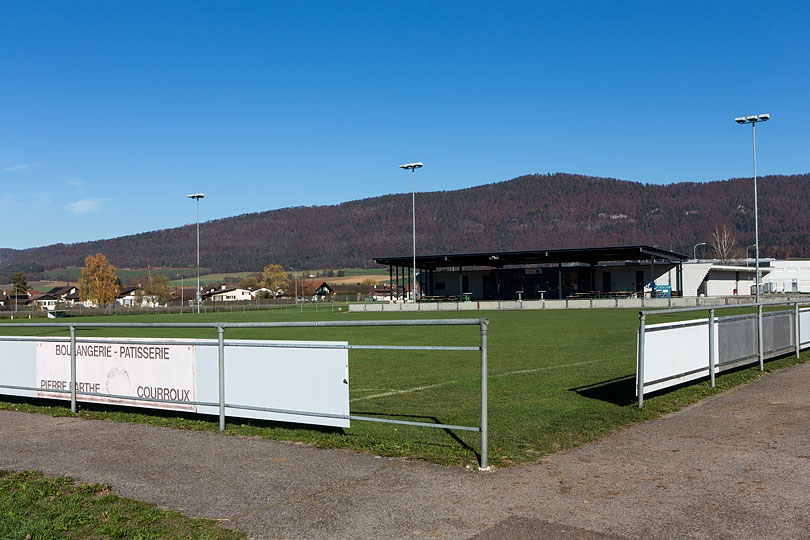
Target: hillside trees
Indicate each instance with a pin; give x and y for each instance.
(99, 283)
(530, 212)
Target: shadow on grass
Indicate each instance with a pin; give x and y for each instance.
(427, 420)
(619, 391)
(207, 422)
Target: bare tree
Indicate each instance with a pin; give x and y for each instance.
(724, 243)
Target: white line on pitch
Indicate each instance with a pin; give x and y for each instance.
(545, 368)
(507, 374)
(406, 391)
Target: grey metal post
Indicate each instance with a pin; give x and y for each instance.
(760, 343)
(411, 285)
(711, 346)
(221, 332)
(640, 366)
(484, 403)
(756, 218)
(413, 209)
(198, 255)
(797, 332)
(73, 369)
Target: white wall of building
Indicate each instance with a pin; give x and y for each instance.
(231, 296)
(785, 275)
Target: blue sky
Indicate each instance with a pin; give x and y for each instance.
(111, 112)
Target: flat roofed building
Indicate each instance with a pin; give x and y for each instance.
(536, 274)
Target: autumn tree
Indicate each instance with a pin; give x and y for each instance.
(366, 286)
(275, 278)
(724, 244)
(306, 288)
(99, 283)
(156, 286)
(248, 282)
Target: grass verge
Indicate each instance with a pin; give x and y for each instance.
(37, 507)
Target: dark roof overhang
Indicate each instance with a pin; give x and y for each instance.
(498, 259)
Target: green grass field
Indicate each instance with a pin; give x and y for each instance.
(34, 506)
(207, 279)
(556, 379)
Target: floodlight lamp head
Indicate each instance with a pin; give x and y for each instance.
(752, 118)
(197, 196)
(764, 117)
(411, 166)
(740, 119)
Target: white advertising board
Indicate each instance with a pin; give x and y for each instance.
(675, 353)
(302, 382)
(804, 326)
(163, 371)
(678, 352)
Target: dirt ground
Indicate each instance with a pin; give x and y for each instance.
(736, 465)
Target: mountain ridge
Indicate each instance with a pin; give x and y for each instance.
(528, 212)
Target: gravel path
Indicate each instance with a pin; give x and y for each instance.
(736, 466)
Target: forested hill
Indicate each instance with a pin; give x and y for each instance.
(529, 212)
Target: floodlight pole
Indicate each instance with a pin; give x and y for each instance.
(197, 197)
(753, 119)
(756, 210)
(181, 292)
(295, 279)
(413, 167)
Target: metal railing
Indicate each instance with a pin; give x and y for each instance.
(221, 344)
(732, 352)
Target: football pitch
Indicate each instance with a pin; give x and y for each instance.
(557, 379)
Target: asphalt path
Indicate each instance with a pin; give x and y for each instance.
(736, 465)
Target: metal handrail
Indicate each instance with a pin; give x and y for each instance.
(642, 331)
(221, 344)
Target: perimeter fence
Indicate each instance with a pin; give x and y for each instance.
(23, 359)
(676, 352)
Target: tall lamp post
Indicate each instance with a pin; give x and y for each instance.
(413, 167)
(753, 119)
(197, 197)
(181, 292)
(694, 249)
(295, 279)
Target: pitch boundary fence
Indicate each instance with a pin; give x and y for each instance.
(677, 352)
(222, 344)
